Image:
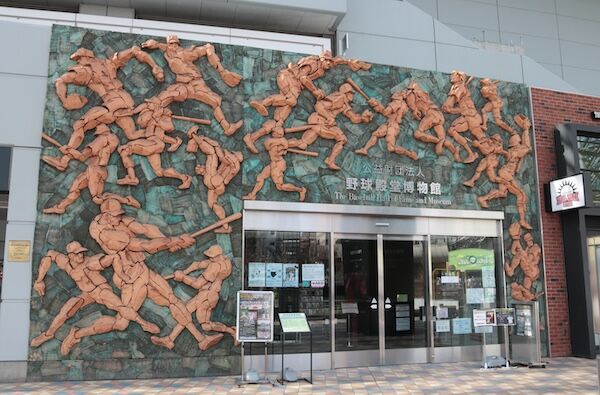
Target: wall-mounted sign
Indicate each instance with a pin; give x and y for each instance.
(484, 317)
(596, 115)
(255, 316)
(566, 193)
(505, 317)
(19, 250)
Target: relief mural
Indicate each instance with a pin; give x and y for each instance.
(177, 145)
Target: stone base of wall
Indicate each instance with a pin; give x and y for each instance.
(110, 369)
(12, 371)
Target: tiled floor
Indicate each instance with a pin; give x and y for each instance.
(561, 376)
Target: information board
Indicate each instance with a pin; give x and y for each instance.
(505, 317)
(484, 317)
(293, 322)
(254, 321)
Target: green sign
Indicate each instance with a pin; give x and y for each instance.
(293, 322)
(470, 258)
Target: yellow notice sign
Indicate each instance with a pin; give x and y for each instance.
(19, 250)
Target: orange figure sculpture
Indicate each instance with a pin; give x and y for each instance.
(100, 76)
(189, 81)
(424, 110)
(291, 81)
(96, 155)
(117, 235)
(489, 91)
(519, 147)
(218, 170)
(156, 121)
(85, 272)
(394, 112)
(277, 146)
(490, 147)
(528, 259)
(324, 124)
(459, 102)
(216, 269)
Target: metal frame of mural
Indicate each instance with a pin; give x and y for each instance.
(133, 240)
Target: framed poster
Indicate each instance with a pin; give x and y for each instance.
(254, 322)
(274, 275)
(290, 275)
(505, 316)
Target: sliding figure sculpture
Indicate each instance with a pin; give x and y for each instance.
(519, 147)
(100, 76)
(217, 172)
(528, 259)
(430, 117)
(96, 156)
(156, 122)
(189, 81)
(291, 81)
(459, 102)
(86, 273)
(215, 270)
(489, 91)
(324, 124)
(117, 235)
(491, 148)
(277, 146)
(394, 112)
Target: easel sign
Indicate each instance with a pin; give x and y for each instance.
(294, 323)
(254, 321)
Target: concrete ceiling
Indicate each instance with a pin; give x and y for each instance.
(298, 17)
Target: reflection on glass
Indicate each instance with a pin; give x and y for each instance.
(404, 279)
(589, 161)
(594, 264)
(355, 263)
(466, 273)
(295, 266)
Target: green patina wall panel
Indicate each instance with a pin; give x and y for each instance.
(382, 178)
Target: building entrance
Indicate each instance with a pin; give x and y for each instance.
(380, 300)
(378, 285)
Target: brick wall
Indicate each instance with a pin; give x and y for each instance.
(549, 109)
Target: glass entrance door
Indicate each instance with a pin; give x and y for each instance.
(380, 303)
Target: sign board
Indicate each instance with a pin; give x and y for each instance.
(349, 308)
(505, 317)
(254, 321)
(19, 250)
(484, 317)
(566, 193)
(293, 322)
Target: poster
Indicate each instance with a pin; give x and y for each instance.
(450, 279)
(441, 312)
(484, 317)
(293, 322)
(290, 275)
(488, 277)
(475, 295)
(505, 317)
(313, 272)
(254, 321)
(489, 295)
(442, 326)
(256, 274)
(274, 275)
(461, 326)
(524, 324)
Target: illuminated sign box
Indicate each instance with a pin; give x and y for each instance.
(566, 193)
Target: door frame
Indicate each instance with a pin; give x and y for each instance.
(370, 221)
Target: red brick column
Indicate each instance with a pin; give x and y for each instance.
(551, 108)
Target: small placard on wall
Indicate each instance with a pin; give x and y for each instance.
(19, 250)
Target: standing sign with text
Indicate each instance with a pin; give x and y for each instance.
(255, 316)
